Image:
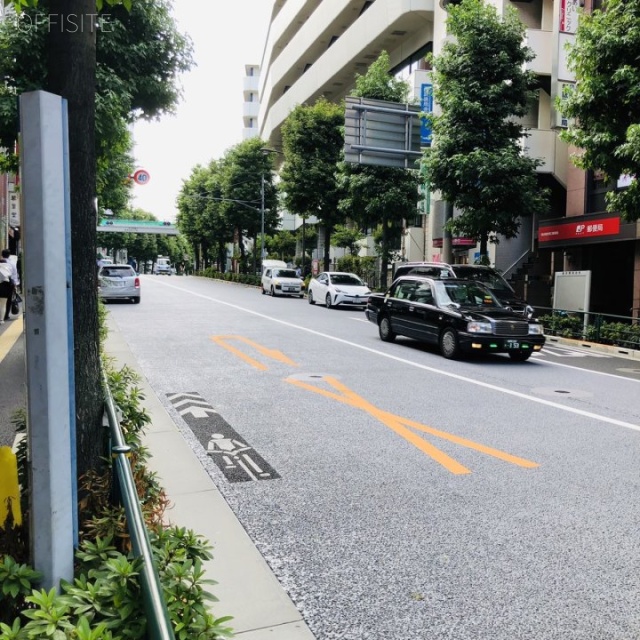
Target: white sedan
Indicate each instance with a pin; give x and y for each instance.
(119, 282)
(338, 289)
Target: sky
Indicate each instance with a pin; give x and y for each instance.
(226, 36)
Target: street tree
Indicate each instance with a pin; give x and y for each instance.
(67, 66)
(201, 216)
(375, 197)
(313, 143)
(247, 184)
(603, 108)
(347, 237)
(282, 244)
(476, 161)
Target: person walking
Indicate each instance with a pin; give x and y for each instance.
(8, 281)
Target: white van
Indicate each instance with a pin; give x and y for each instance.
(270, 264)
(162, 266)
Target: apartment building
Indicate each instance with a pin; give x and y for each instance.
(315, 48)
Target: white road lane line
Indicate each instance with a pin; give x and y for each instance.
(448, 374)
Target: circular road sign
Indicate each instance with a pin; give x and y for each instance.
(141, 176)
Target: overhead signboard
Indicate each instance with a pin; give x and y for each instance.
(382, 133)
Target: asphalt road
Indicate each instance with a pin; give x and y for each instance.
(398, 495)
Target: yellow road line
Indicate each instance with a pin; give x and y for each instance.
(496, 453)
(399, 425)
(273, 354)
(10, 336)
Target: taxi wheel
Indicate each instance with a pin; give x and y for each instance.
(449, 347)
(384, 330)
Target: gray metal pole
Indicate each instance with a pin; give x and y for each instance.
(447, 246)
(48, 334)
(262, 222)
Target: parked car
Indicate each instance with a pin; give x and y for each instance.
(338, 289)
(118, 282)
(163, 267)
(488, 276)
(459, 316)
(282, 281)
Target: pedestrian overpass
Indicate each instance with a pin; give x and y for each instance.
(118, 225)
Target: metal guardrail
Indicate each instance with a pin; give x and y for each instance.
(601, 328)
(158, 621)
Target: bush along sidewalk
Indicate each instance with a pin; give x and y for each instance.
(104, 601)
(599, 331)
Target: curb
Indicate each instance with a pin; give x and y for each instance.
(631, 354)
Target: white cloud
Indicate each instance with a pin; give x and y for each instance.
(208, 121)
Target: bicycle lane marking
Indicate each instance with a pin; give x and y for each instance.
(424, 367)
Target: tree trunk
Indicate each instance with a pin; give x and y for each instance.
(72, 75)
(327, 248)
(483, 248)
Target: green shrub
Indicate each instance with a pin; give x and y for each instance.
(105, 601)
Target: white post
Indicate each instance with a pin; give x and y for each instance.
(48, 334)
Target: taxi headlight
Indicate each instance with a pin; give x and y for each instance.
(479, 327)
(536, 329)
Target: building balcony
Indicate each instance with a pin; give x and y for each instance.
(250, 109)
(541, 43)
(545, 145)
(250, 132)
(251, 84)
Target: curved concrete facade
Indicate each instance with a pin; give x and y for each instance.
(316, 49)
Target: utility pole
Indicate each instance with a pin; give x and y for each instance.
(447, 247)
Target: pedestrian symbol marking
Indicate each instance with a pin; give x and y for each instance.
(232, 454)
(273, 354)
(403, 427)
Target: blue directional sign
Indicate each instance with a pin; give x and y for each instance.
(426, 104)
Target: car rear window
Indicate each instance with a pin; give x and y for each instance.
(117, 272)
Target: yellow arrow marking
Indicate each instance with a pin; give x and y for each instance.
(399, 425)
(274, 354)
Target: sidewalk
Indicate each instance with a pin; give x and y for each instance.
(246, 589)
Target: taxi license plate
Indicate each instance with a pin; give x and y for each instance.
(511, 344)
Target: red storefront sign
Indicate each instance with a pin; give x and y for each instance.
(456, 242)
(579, 229)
